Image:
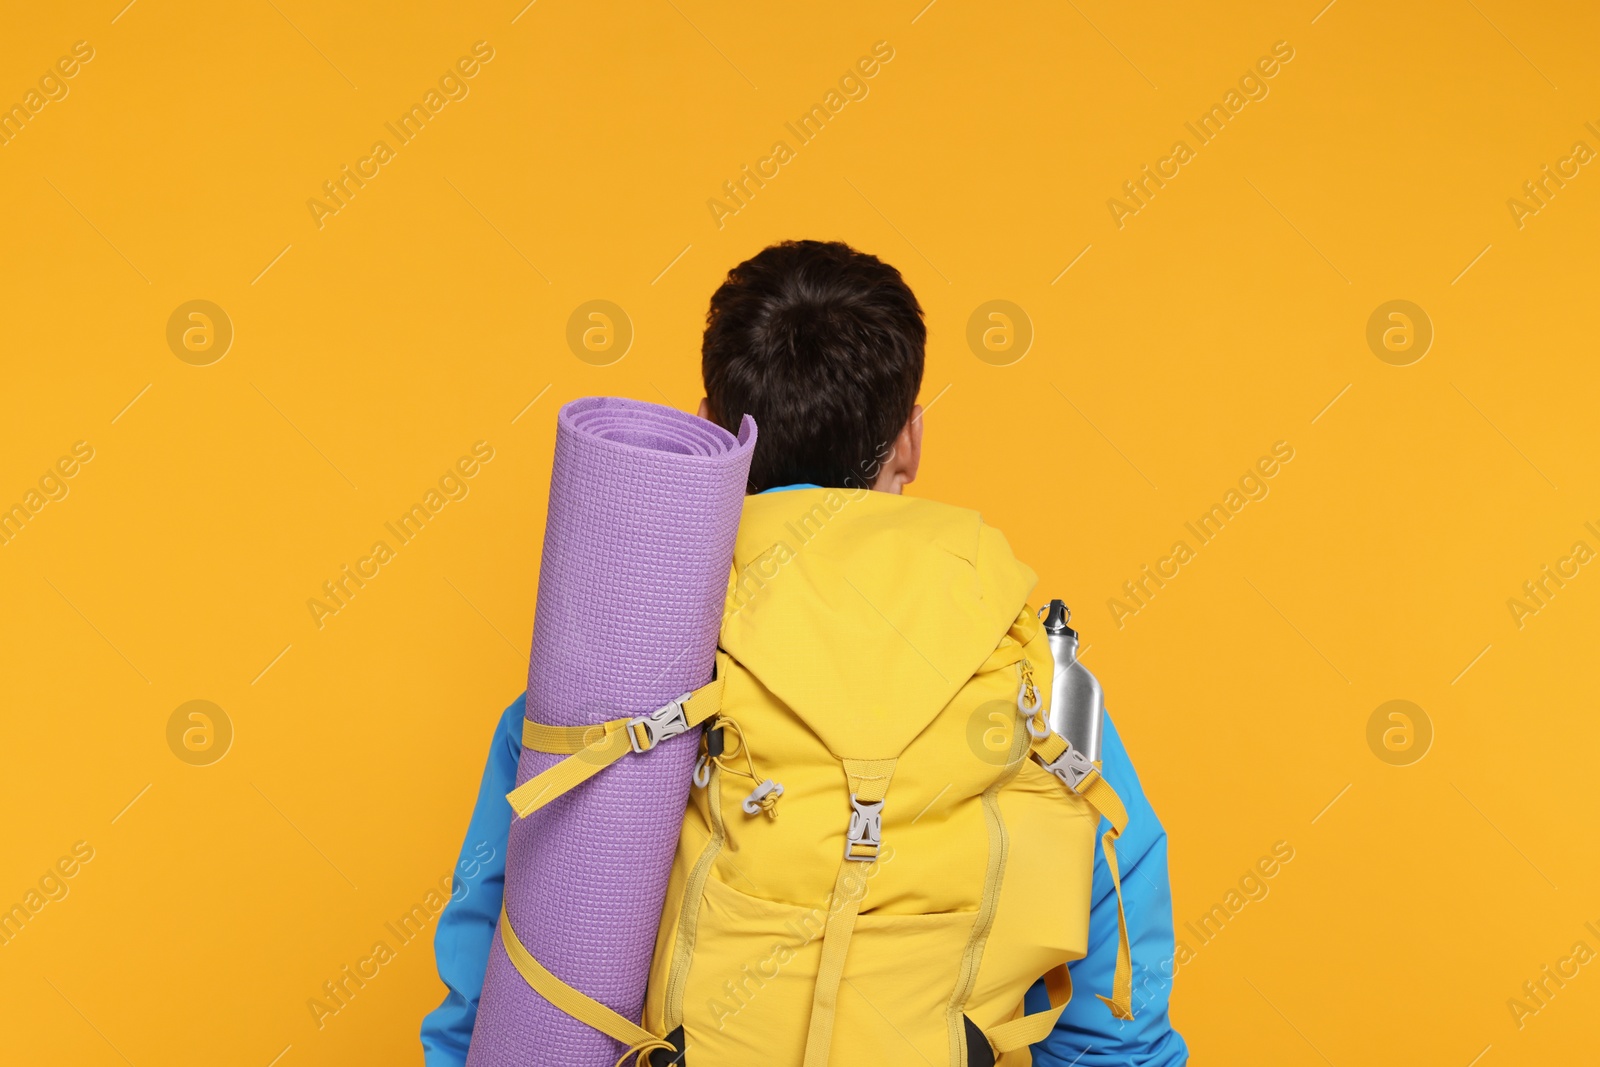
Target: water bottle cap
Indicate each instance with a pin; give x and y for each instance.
(1056, 618)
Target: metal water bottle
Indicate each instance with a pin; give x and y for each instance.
(1077, 706)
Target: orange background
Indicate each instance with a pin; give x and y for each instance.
(1229, 313)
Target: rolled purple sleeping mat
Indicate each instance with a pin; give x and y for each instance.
(644, 507)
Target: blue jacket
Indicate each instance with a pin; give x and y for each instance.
(1086, 1036)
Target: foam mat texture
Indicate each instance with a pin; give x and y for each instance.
(644, 506)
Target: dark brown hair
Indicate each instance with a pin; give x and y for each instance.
(823, 345)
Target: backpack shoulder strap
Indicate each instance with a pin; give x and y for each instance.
(1031, 1029)
(1036, 1026)
(1083, 777)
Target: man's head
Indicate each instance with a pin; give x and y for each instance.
(823, 345)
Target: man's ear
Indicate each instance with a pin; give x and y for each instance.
(900, 468)
(705, 409)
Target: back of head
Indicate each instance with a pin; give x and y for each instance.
(823, 345)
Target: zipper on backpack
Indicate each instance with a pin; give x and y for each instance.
(689, 911)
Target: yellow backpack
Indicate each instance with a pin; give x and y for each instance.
(886, 846)
(872, 870)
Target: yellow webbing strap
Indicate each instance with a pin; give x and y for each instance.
(869, 783)
(1031, 1029)
(561, 740)
(580, 1006)
(1049, 748)
(591, 749)
(1098, 792)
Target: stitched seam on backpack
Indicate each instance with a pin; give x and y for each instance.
(994, 874)
(693, 900)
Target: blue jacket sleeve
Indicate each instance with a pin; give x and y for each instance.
(465, 930)
(1087, 1035)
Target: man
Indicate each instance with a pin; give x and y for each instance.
(824, 346)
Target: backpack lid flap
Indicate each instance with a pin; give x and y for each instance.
(865, 612)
